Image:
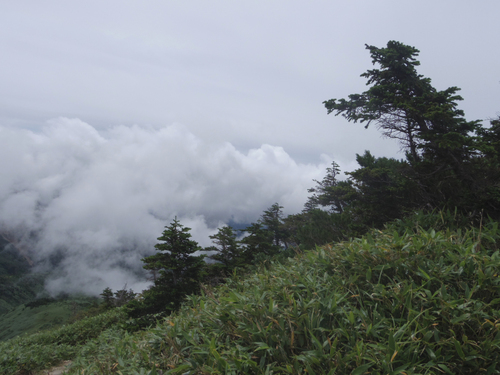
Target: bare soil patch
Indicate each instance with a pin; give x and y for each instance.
(58, 370)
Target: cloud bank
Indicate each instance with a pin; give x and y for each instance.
(90, 204)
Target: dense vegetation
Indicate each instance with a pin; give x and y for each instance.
(26, 354)
(406, 300)
(405, 280)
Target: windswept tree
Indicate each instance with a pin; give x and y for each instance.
(451, 160)
(405, 106)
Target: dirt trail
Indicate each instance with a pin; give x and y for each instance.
(58, 370)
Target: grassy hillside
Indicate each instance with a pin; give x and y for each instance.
(21, 311)
(398, 301)
(42, 314)
(28, 353)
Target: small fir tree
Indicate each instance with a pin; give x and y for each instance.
(178, 272)
(272, 219)
(108, 299)
(227, 247)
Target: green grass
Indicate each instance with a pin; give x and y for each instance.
(27, 320)
(393, 302)
(29, 353)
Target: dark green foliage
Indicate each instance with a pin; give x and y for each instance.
(320, 227)
(40, 302)
(107, 298)
(490, 140)
(18, 290)
(330, 192)
(229, 251)
(42, 314)
(382, 190)
(174, 260)
(177, 273)
(27, 354)
(272, 219)
(375, 193)
(420, 302)
(116, 299)
(451, 162)
(292, 224)
(258, 244)
(12, 263)
(17, 285)
(266, 238)
(123, 296)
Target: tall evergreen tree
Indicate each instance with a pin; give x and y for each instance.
(451, 159)
(177, 265)
(405, 105)
(178, 272)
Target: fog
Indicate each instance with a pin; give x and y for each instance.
(222, 85)
(88, 205)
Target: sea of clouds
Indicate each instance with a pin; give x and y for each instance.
(89, 204)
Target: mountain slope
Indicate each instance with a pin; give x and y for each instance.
(388, 303)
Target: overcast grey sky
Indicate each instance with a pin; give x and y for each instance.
(117, 115)
(248, 73)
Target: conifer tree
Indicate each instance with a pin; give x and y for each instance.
(272, 220)
(227, 247)
(108, 299)
(258, 244)
(175, 262)
(405, 106)
(453, 162)
(178, 272)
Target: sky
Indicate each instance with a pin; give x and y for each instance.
(117, 116)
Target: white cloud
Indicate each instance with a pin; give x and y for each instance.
(93, 203)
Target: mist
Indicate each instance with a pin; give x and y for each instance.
(87, 205)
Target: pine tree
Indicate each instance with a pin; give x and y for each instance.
(227, 247)
(108, 299)
(272, 219)
(452, 163)
(179, 272)
(258, 244)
